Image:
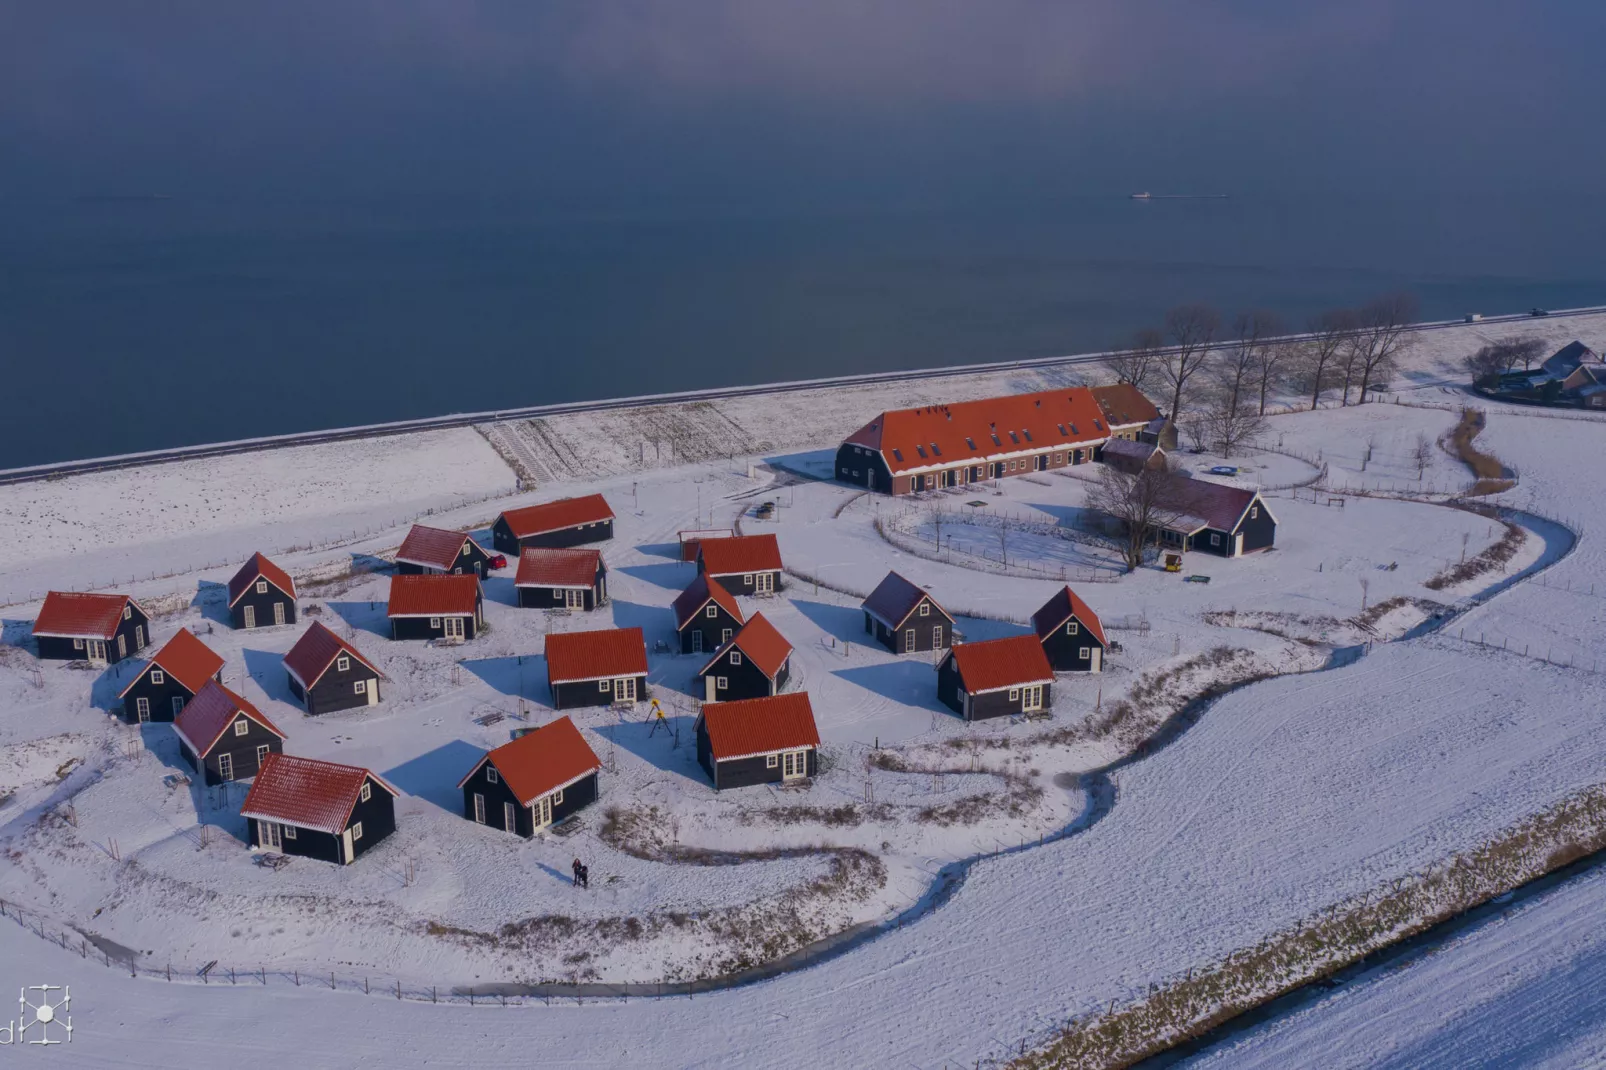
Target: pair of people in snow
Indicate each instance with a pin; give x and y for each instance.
(582, 875)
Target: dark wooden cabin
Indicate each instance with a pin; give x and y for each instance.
(538, 779)
(756, 663)
(996, 678)
(1071, 634)
(707, 616)
(758, 741)
(101, 629)
(316, 809)
(223, 737)
(566, 522)
(170, 679)
(1215, 518)
(561, 579)
(432, 551)
(743, 564)
(601, 668)
(449, 608)
(906, 619)
(261, 594)
(327, 673)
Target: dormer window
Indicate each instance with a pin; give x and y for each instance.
(1028, 434)
(936, 450)
(970, 442)
(897, 454)
(996, 442)
(1013, 437)
(1061, 427)
(920, 449)
(1074, 431)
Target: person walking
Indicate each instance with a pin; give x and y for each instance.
(578, 870)
(585, 877)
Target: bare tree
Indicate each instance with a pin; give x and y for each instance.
(1235, 365)
(1142, 501)
(1382, 337)
(1197, 431)
(1328, 337)
(1232, 425)
(1422, 454)
(1486, 365)
(1272, 357)
(1137, 364)
(1190, 329)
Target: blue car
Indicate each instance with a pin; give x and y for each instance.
(1223, 470)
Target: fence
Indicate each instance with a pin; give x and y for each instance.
(896, 529)
(1548, 657)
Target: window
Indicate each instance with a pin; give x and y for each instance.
(342, 663)
(1254, 512)
(1215, 539)
(78, 644)
(360, 686)
(139, 637)
(970, 442)
(1061, 427)
(771, 761)
(1014, 694)
(262, 754)
(491, 776)
(747, 578)
(897, 454)
(262, 586)
(465, 549)
(936, 449)
(457, 571)
(143, 708)
(712, 611)
(736, 657)
(996, 441)
(241, 727)
(158, 676)
(479, 808)
(356, 832)
(920, 449)
(724, 636)
(289, 831)
(434, 622)
(1082, 653)
(925, 609)
(604, 685)
(366, 793)
(721, 683)
(1013, 437)
(178, 706)
(557, 797)
(1028, 435)
(128, 612)
(1070, 629)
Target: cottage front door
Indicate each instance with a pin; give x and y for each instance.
(697, 641)
(225, 766)
(764, 583)
(278, 612)
(543, 812)
(710, 689)
(794, 764)
(909, 641)
(573, 599)
(624, 689)
(268, 833)
(95, 651)
(250, 616)
(509, 817)
(453, 627)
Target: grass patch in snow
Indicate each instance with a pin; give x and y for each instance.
(1495, 556)
(1492, 477)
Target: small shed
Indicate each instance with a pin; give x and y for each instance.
(758, 741)
(101, 629)
(317, 809)
(743, 564)
(691, 540)
(223, 737)
(1132, 455)
(327, 673)
(542, 777)
(261, 594)
(599, 668)
(1071, 633)
(451, 608)
(565, 522)
(170, 679)
(905, 618)
(706, 615)
(427, 551)
(756, 663)
(996, 678)
(561, 579)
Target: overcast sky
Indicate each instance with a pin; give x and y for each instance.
(736, 104)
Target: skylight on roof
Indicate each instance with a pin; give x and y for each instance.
(897, 453)
(1028, 434)
(1013, 437)
(1061, 427)
(920, 449)
(995, 439)
(1074, 431)
(936, 449)
(1098, 425)
(970, 442)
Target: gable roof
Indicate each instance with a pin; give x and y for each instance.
(1062, 607)
(764, 647)
(760, 726)
(1131, 450)
(540, 762)
(71, 615)
(258, 566)
(1566, 360)
(1124, 405)
(184, 658)
(702, 590)
(740, 555)
(996, 664)
(555, 516)
(315, 651)
(432, 595)
(597, 655)
(204, 719)
(308, 793)
(1212, 505)
(434, 547)
(941, 436)
(543, 567)
(894, 598)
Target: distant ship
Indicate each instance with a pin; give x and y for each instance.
(1141, 196)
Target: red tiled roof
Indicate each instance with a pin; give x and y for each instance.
(257, 566)
(760, 643)
(205, 718)
(573, 656)
(540, 762)
(70, 615)
(1213, 505)
(315, 651)
(740, 555)
(760, 726)
(541, 567)
(308, 793)
(1065, 604)
(702, 590)
(1124, 405)
(894, 598)
(995, 664)
(555, 516)
(433, 596)
(943, 436)
(433, 547)
(186, 659)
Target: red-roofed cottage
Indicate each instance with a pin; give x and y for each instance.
(743, 564)
(302, 806)
(599, 668)
(754, 664)
(706, 616)
(906, 619)
(561, 579)
(1071, 634)
(260, 594)
(435, 607)
(542, 777)
(224, 737)
(170, 679)
(101, 629)
(327, 673)
(565, 522)
(996, 678)
(758, 741)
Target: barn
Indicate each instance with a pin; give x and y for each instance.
(1071, 633)
(600, 668)
(428, 551)
(754, 664)
(706, 616)
(565, 522)
(316, 809)
(170, 679)
(996, 678)
(535, 781)
(261, 594)
(906, 619)
(451, 608)
(758, 741)
(223, 737)
(327, 673)
(1217, 519)
(101, 629)
(561, 579)
(743, 564)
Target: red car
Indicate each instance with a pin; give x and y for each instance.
(498, 561)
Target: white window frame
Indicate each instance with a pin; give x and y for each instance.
(78, 644)
(359, 687)
(142, 709)
(366, 793)
(128, 612)
(434, 622)
(465, 549)
(557, 797)
(725, 636)
(721, 683)
(242, 726)
(925, 609)
(262, 586)
(287, 832)
(178, 706)
(1084, 652)
(479, 808)
(1215, 538)
(491, 775)
(1254, 512)
(225, 766)
(736, 657)
(1070, 628)
(711, 611)
(356, 832)
(343, 664)
(158, 677)
(263, 750)
(747, 578)
(772, 761)
(1014, 694)
(604, 685)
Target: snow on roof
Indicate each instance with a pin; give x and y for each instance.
(597, 655)
(204, 719)
(994, 664)
(71, 615)
(760, 726)
(308, 793)
(540, 762)
(704, 589)
(1213, 505)
(544, 567)
(740, 555)
(1566, 360)
(766, 648)
(1124, 405)
(555, 516)
(894, 598)
(434, 547)
(257, 566)
(315, 651)
(1062, 607)
(1128, 449)
(433, 596)
(184, 658)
